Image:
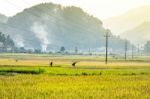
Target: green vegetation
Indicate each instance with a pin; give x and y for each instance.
(31, 77)
(6, 43)
(70, 71)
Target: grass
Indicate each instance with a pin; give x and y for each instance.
(75, 87)
(73, 71)
(31, 77)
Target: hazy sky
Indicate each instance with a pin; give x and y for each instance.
(99, 8)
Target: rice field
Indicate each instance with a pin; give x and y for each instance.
(29, 76)
(75, 87)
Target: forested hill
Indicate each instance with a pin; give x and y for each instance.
(50, 26)
(3, 19)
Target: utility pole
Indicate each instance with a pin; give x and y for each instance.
(138, 48)
(107, 36)
(90, 51)
(76, 50)
(132, 52)
(126, 45)
(138, 53)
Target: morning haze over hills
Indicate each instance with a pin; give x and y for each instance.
(71, 27)
(132, 25)
(139, 34)
(64, 49)
(57, 26)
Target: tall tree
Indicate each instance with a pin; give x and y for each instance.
(62, 49)
(6, 42)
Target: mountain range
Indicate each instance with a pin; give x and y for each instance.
(128, 20)
(49, 26)
(139, 34)
(132, 25)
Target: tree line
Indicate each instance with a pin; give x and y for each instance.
(6, 43)
(147, 48)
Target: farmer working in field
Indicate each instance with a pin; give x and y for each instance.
(51, 64)
(74, 64)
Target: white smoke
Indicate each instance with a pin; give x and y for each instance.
(42, 34)
(19, 41)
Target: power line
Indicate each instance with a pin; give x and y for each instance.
(138, 49)
(126, 45)
(132, 52)
(107, 36)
